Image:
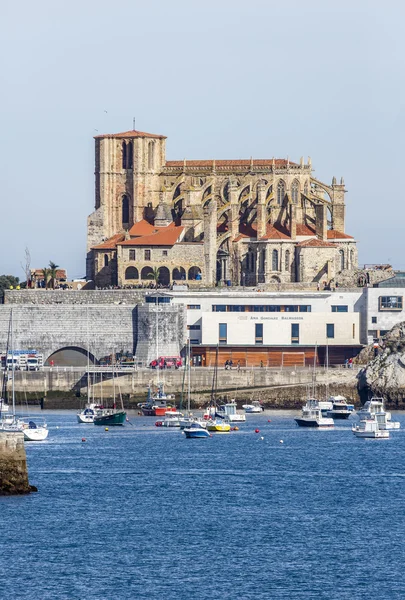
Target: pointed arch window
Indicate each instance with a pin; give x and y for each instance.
(287, 260)
(106, 260)
(295, 188)
(125, 210)
(151, 155)
(130, 154)
(274, 260)
(342, 260)
(280, 192)
(124, 155)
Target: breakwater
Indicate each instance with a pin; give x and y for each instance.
(13, 465)
(277, 388)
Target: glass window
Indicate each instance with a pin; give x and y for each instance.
(194, 341)
(132, 255)
(164, 252)
(164, 300)
(223, 335)
(330, 330)
(194, 306)
(194, 327)
(258, 333)
(218, 308)
(305, 308)
(390, 302)
(294, 191)
(295, 333)
(274, 260)
(374, 319)
(290, 308)
(280, 193)
(236, 308)
(147, 254)
(340, 308)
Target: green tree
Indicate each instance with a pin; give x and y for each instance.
(155, 275)
(53, 270)
(47, 275)
(7, 281)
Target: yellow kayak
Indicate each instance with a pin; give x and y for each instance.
(218, 426)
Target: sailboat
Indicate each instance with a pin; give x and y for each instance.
(219, 425)
(4, 407)
(312, 411)
(33, 430)
(111, 416)
(89, 412)
(193, 428)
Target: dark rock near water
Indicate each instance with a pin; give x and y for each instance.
(13, 466)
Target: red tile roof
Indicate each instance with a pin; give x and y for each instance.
(130, 134)
(111, 243)
(333, 234)
(276, 232)
(304, 229)
(257, 162)
(142, 228)
(315, 243)
(164, 236)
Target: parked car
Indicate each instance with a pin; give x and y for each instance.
(166, 362)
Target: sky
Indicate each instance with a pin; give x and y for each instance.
(221, 79)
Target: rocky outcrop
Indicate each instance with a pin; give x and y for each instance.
(13, 466)
(384, 375)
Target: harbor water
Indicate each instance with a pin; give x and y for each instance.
(142, 512)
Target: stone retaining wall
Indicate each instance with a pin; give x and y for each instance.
(13, 465)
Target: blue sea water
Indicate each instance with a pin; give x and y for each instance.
(143, 512)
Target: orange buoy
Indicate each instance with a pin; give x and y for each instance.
(83, 439)
(236, 428)
(257, 430)
(268, 420)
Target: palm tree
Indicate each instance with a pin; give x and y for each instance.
(155, 275)
(53, 270)
(46, 274)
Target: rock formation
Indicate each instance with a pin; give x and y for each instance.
(13, 466)
(384, 375)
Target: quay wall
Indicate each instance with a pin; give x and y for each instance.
(13, 465)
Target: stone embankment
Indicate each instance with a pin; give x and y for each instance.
(384, 375)
(13, 466)
(277, 388)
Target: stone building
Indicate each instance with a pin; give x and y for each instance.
(247, 222)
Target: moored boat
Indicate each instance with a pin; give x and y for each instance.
(218, 426)
(254, 407)
(88, 413)
(34, 431)
(377, 406)
(196, 430)
(312, 416)
(110, 417)
(229, 411)
(370, 428)
(340, 408)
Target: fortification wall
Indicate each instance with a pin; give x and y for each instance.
(83, 297)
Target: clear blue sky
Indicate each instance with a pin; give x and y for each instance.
(222, 79)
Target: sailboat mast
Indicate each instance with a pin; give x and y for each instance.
(113, 375)
(189, 377)
(88, 356)
(12, 362)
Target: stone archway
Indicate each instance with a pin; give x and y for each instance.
(194, 273)
(147, 273)
(131, 273)
(70, 356)
(179, 274)
(164, 276)
(275, 279)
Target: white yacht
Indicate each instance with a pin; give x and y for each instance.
(34, 431)
(172, 419)
(374, 406)
(229, 412)
(254, 407)
(4, 408)
(340, 408)
(88, 413)
(312, 416)
(371, 427)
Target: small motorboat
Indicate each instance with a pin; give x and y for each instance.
(196, 430)
(228, 411)
(218, 425)
(340, 408)
(312, 416)
(254, 407)
(370, 428)
(377, 406)
(172, 419)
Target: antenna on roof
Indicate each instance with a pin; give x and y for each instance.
(133, 123)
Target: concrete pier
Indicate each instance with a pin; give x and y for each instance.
(13, 465)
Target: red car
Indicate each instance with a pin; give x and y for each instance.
(166, 362)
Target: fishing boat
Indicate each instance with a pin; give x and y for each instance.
(340, 408)
(229, 411)
(197, 431)
(159, 403)
(111, 417)
(312, 416)
(377, 406)
(370, 428)
(254, 407)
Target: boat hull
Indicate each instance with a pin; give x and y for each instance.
(312, 423)
(111, 420)
(196, 433)
(39, 434)
(335, 415)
